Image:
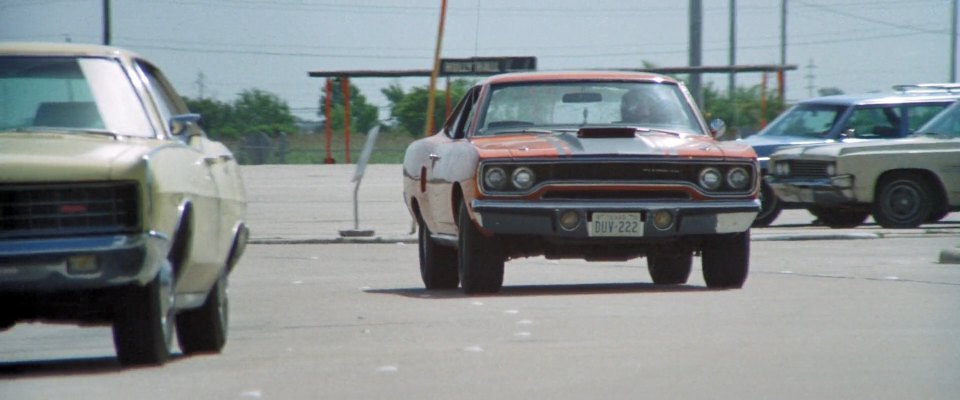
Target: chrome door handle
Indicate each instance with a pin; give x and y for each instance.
(434, 157)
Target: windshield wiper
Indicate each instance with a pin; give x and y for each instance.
(648, 130)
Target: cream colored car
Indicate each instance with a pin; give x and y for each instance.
(901, 182)
(115, 207)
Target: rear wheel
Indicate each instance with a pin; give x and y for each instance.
(726, 260)
(480, 258)
(143, 323)
(438, 264)
(204, 330)
(903, 200)
(670, 269)
(840, 218)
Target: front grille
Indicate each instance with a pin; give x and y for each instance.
(621, 173)
(808, 169)
(619, 195)
(48, 210)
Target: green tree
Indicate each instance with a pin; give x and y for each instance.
(743, 110)
(409, 109)
(363, 115)
(254, 110)
(257, 110)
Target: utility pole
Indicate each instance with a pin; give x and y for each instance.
(810, 76)
(733, 46)
(696, 33)
(201, 83)
(953, 43)
(783, 47)
(106, 22)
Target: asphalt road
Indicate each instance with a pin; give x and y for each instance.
(838, 314)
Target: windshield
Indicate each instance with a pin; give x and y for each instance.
(947, 123)
(569, 105)
(805, 120)
(69, 94)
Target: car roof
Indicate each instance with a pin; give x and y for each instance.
(62, 49)
(884, 98)
(521, 77)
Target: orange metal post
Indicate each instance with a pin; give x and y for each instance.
(345, 87)
(329, 129)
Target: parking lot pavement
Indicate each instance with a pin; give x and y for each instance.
(313, 203)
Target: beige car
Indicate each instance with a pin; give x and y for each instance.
(115, 207)
(901, 182)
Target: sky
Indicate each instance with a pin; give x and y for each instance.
(218, 48)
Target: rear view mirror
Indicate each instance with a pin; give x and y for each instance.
(179, 124)
(717, 127)
(582, 97)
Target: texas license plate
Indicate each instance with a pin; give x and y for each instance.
(615, 224)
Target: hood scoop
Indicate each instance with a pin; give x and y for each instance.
(606, 133)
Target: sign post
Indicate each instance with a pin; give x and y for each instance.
(357, 178)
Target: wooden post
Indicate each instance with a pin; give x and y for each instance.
(431, 102)
(763, 101)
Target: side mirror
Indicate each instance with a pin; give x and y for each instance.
(179, 124)
(717, 128)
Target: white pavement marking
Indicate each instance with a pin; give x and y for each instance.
(388, 369)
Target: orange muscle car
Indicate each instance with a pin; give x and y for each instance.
(588, 165)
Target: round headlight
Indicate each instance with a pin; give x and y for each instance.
(831, 169)
(710, 178)
(783, 168)
(523, 178)
(495, 178)
(738, 178)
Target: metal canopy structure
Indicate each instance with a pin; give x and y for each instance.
(487, 66)
(658, 70)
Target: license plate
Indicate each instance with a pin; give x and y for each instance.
(615, 224)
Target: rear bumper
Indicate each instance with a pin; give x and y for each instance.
(95, 262)
(542, 218)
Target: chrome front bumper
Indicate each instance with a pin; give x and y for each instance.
(51, 264)
(824, 191)
(542, 218)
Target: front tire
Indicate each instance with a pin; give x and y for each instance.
(480, 258)
(904, 200)
(726, 260)
(143, 323)
(204, 330)
(769, 207)
(438, 264)
(670, 269)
